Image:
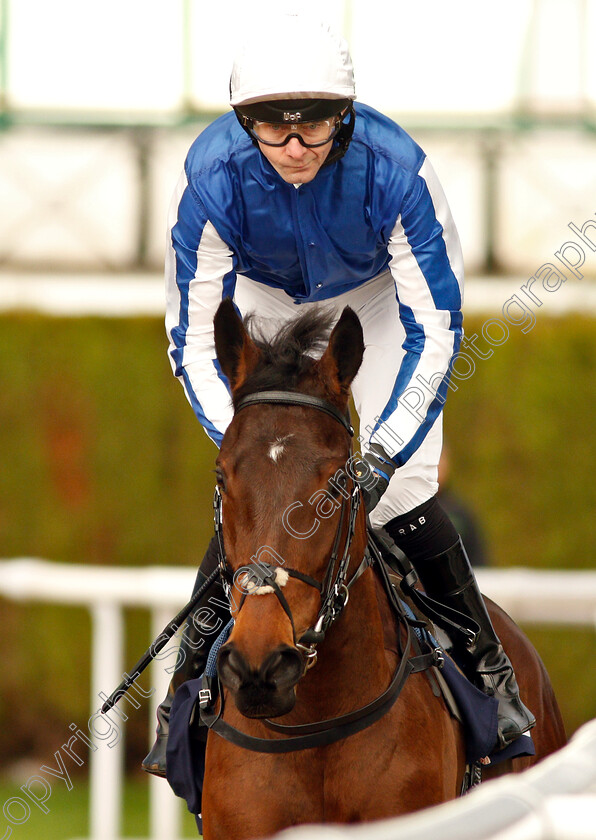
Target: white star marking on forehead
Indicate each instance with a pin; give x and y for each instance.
(277, 447)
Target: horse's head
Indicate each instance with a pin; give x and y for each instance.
(284, 475)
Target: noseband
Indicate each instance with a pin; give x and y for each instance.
(263, 577)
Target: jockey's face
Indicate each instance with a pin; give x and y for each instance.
(295, 163)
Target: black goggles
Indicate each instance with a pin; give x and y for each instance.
(309, 134)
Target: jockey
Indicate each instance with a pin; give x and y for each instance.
(301, 198)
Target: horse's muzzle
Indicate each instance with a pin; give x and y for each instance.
(266, 691)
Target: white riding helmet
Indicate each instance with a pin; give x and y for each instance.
(297, 70)
(295, 57)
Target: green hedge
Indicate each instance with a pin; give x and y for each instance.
(521, 432)
(103, 462)
(521, 436)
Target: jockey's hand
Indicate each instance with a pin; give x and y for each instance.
(381, 468)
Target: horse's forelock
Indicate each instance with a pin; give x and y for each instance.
(288, 354)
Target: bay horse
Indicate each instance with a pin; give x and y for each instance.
(294, 538)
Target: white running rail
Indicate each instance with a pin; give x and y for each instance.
(106, 592)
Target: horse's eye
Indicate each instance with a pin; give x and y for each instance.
(335, 485)
(333, 489)
(220, 479)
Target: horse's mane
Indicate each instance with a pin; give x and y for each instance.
(288, 354)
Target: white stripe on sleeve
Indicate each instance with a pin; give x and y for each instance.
(203, 386)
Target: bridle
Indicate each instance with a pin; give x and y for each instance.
(334, 589)
(334, 592)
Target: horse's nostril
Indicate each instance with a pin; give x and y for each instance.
(232, 667)
(270, 666)
(283, 667)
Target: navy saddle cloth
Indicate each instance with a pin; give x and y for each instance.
(186, 754)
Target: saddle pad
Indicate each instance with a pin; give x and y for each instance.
(185, 755)
(478, 711)
(479, 716)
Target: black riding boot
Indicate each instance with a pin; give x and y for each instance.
(201, 629)
(449, 578)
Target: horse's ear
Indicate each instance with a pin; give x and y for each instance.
(236, 352)
(341, 361)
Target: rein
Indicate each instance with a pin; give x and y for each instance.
(334, 592)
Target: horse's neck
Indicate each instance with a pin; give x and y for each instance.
(353, 666)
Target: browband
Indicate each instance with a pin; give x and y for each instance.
(294, 398)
